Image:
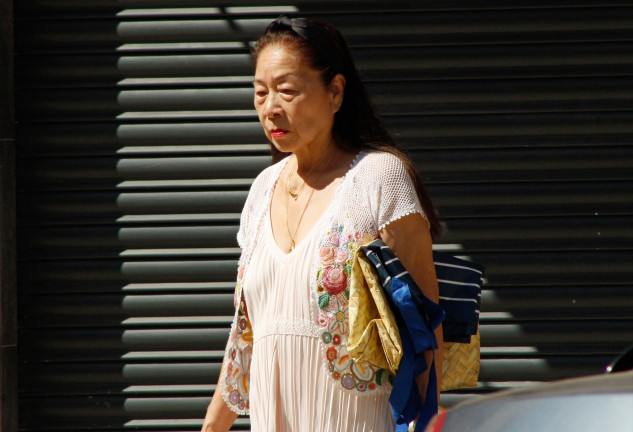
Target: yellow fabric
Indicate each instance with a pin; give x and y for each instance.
(373, 333)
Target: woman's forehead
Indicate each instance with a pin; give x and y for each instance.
(280, 54)
(282, 62)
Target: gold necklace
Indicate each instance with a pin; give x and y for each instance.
(295, 196)
(292, 237)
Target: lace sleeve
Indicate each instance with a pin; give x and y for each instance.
(244, 219)
(395, 192)
(256, 200)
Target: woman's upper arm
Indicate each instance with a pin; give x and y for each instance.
(410, 239)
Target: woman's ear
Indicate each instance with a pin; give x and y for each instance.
(337, 87)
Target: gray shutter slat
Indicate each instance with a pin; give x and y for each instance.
(440, 27)
(514, 129)
(104, 310)
(63, 105)
(538, 199)
(95, 139)
(460, 62)
(91, 70)
(539, 369)
(78, 9)
(80, 377)
(109, 275)
(109, 412)
(92, 207)
(109, 171)
(568, 233)
(546, 267)
(66, 242)
(112, 344)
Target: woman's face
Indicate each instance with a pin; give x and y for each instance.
(294, 106)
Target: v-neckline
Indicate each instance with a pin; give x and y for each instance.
(321, 217)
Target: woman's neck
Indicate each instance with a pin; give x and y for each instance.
(319, 159)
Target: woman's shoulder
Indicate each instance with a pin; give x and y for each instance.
(262, 186)
(377, 165)
(267, 177)
(256, 201)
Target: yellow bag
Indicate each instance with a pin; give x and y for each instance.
(460, 367)
(373, 332)
(374, 337)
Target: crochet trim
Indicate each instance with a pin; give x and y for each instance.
(410, 212)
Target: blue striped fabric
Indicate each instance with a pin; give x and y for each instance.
(459, 284)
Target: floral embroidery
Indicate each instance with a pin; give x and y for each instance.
(338, 317)
(348, 381)
(326, 256)
(331, 354)
(336, 253)
(237, 363)
(324, 321)
(341, 256)
(334, 280)
(342, 363)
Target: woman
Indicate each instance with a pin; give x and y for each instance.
(338, 182)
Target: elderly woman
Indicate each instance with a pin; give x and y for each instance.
(338, 182)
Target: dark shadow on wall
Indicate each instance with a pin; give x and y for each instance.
(137, 143)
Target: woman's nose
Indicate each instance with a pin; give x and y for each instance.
(272, 108)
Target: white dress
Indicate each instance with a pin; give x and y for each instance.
(286, 362)
(289, 389)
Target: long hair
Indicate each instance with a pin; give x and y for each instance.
(357, 125)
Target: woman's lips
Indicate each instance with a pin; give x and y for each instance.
(278, 133)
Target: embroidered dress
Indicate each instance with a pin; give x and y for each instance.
(286, 358)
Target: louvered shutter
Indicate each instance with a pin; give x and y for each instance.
(137, 143)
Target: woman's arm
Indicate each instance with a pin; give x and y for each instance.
(219, 416)
(410, 239)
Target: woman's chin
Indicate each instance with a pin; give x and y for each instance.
(282, 145)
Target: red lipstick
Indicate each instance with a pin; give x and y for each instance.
(278, 133)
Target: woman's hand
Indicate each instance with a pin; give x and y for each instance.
(219, 416)
(410, 239)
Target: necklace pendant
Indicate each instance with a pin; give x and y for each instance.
(292, 246)
(293, 195)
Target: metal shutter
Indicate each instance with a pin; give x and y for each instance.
(137, 143)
